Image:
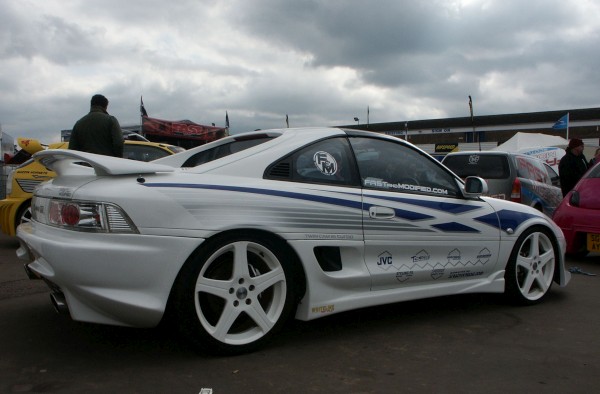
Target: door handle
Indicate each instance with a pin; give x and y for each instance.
(381, 213)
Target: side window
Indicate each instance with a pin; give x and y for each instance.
(532, 169)
(391, 166)
(554, 178)
(329, 162)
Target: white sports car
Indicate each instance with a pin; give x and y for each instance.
(231, 239)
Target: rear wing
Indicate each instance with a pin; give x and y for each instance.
(71, 162)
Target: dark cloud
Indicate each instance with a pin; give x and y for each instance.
(321, 62)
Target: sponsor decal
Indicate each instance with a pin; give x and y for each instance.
(464, 274)
(445, 148)
(323, 309)
(437, 273)
(384, 260)
(484, 256)
(325, 162)
(454, 256)
(421, 256)
(473, 159)
(63, 192)
(329, 236)
(381, 184)
(404, 276)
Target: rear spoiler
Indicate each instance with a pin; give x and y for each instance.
(71, 162)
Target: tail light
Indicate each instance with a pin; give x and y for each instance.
(515, 194)
(81, 215)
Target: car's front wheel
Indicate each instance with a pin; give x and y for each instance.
(530, 270)
(235, 294)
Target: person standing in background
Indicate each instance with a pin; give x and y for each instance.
(572, 166)
(98, 132)
(595, 159)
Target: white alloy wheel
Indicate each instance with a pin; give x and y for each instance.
(24, 215)
(530, 271)
(241, 294)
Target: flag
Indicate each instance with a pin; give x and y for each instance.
(226, 120)
(142, 109)
(287, 121)
(562, 123)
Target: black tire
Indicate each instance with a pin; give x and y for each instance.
(24, 214)
(235, 293)
(530, 269)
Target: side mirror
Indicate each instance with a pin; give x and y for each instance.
(475, 186)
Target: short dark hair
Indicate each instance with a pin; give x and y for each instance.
(100, 100)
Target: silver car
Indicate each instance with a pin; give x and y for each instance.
(511, 176)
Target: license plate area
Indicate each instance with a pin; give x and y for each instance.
(593, 242)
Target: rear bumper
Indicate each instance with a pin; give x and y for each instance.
(575, 224)
(118, 279)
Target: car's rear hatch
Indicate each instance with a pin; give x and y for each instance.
(494, 168)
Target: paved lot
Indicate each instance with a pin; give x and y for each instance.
(464, 344)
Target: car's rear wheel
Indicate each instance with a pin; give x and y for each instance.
(235, 294)
(24, 213)
(530, 270)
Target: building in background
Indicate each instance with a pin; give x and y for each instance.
(488, 131)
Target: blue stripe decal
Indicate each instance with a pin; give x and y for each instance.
(455, 228)
(440, 206)
(277, 193)
(404, 214)
(400, 213)
(411, 215)
(505, 219)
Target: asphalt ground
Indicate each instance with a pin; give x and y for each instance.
(458, 344)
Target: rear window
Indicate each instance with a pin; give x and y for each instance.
(234, 146)
(484, 166)
(143, 152)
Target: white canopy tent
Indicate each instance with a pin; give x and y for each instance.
(522, 141)
(548, 148)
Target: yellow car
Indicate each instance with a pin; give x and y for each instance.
(16, 207)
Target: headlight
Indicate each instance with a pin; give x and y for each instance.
(81, 215)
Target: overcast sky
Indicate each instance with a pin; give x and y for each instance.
(322, 62)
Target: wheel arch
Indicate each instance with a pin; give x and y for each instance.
(298, 270)
(559, 267)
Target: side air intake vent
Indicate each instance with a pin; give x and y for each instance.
(281, 170)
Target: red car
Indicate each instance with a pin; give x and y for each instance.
(578, 215)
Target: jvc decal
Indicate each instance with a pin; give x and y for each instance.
(385, 260)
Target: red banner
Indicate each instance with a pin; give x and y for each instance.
(181, 129)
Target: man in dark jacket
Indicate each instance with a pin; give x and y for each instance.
(98, 132)
(572, 166)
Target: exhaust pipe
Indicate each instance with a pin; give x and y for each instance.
(59, 303)
(30, 274)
